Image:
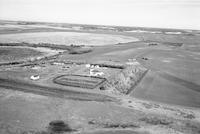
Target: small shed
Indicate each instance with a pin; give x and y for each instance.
(35, 77)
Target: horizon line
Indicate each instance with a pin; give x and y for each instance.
(99, 24)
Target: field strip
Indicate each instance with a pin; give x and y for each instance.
(51, 91)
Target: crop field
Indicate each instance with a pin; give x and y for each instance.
(79, 81)
(8, 54)
(174, 79)
(67, 38)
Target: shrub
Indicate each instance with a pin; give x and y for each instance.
(125, 81)
(79, 51)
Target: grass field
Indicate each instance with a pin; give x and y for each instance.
(174, 78)
(67, 38)
(159, 84)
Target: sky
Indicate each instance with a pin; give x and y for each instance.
(183, 14)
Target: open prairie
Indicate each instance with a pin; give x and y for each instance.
(82, 79)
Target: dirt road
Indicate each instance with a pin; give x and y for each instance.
(51, 91)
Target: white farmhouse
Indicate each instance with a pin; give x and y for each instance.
(94, 72)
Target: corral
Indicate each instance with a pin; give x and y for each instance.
(81, 81)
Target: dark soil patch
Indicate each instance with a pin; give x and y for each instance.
(115, 132)
(114, 125)
(59, 126)
(79, 51)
